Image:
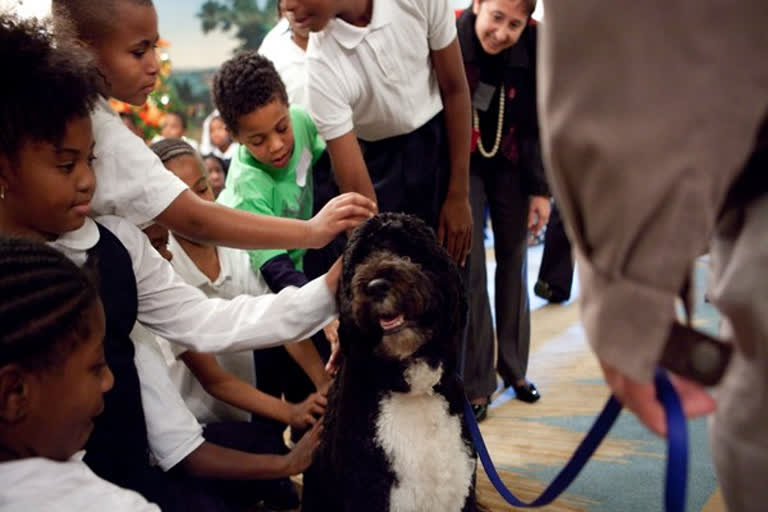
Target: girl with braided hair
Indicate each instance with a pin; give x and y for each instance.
(52, 377)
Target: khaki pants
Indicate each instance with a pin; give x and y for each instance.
(739, 434)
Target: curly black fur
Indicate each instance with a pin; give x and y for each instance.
(244, 83)
(421, 283)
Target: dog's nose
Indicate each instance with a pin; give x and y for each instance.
(378, 287)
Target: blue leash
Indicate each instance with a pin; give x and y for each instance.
(677, 450)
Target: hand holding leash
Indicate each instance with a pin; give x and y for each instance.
(640, 398)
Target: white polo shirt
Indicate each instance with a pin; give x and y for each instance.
(37, 484)
(378, 79)
(131, 181)
(236, 277)
(290, 61)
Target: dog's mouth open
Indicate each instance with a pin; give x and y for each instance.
(392, 324)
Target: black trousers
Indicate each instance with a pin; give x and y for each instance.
(557, 261)
(502, 190)
(175, 491)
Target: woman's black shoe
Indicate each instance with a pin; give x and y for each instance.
(543, 290)
(527, 392)
(481, 411)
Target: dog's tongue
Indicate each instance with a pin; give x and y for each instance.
(391, 323)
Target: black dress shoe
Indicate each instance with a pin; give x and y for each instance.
(527, 392)
(481, 411)
(543, 290)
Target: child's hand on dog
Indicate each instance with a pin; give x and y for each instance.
(300, 457)
(332, 280)
(342, 213)
(304, 414)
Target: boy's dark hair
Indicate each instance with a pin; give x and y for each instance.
(181, 117)
(49, 87)
(168, 149)
(43, 300)
(89, 20)
(244, 83)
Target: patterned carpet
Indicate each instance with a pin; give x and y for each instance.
(530, 443)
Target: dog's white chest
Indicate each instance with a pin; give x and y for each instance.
(424, 446)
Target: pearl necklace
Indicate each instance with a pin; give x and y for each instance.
(476, 126)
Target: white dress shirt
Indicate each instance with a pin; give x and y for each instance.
(42, 485)
(131, 180)
(379, 79)
(179, 312)
(172, 430)
(236, 277)
(289, 59)
(183, 314)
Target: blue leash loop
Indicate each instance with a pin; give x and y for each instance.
(677, 450)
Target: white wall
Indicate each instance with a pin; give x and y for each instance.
(28, 8)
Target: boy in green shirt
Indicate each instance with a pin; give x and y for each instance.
(271, 174)
(277, 181)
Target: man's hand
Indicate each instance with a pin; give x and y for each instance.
(538, 213)
(640, 398)
(455, 229)
(341, 213)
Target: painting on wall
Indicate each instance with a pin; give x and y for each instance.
(196, 37)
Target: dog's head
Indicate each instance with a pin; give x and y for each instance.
(400, 294)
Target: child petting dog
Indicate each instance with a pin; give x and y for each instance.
(46, 184)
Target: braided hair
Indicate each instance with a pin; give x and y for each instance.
(44, 298)
(168, 149)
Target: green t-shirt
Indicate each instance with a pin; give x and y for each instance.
(259, 188)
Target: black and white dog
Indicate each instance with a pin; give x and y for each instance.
(394, 435)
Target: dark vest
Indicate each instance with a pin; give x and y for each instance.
(118, 448)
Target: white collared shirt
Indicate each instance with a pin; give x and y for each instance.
(173, 431)
(379, 79)
(183, 314)
(131, 181)
(236, 277)
(43, 485)
(289, 60)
